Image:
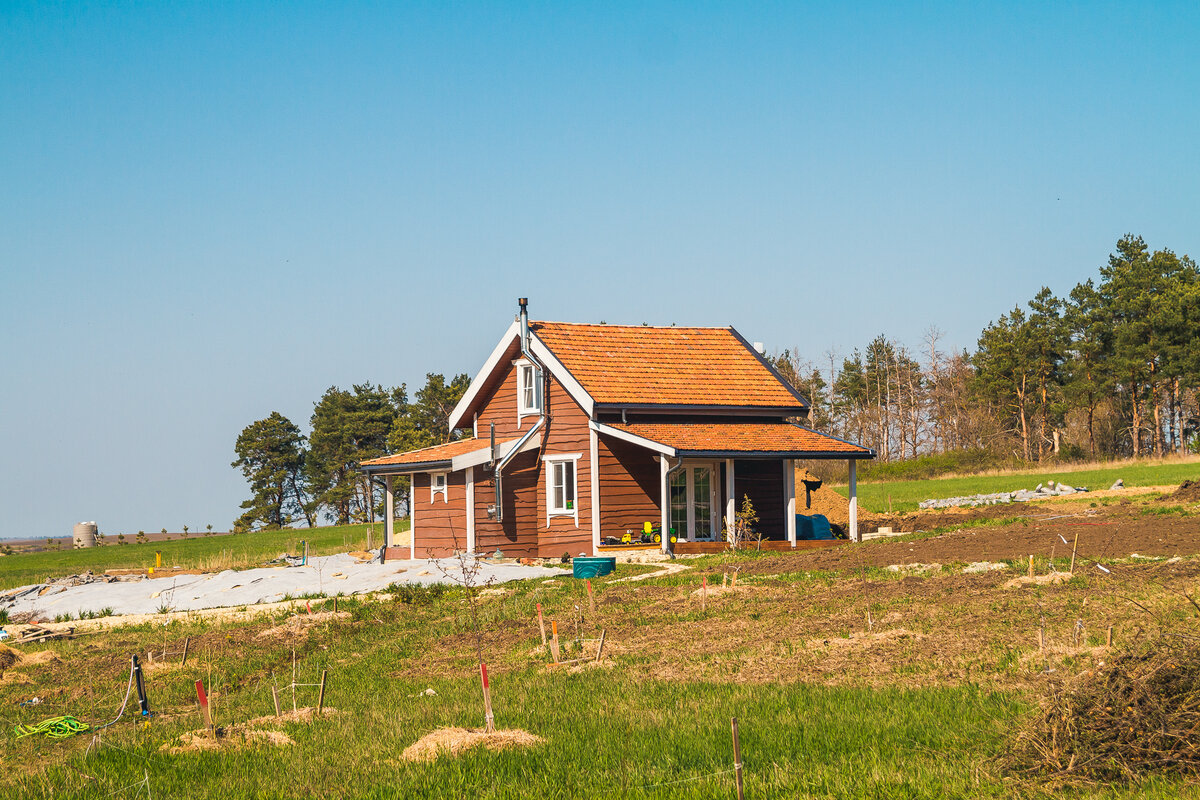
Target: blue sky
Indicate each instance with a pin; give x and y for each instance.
(213, 211)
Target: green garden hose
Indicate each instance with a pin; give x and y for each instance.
(54, 727)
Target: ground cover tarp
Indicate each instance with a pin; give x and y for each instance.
(329, 575)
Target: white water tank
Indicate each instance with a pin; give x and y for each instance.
(85, 534)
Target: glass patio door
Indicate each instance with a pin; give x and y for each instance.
(692, 503)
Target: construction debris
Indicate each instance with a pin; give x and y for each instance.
(1041, 492)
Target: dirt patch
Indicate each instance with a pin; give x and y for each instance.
(8, 658)
(827, 502)
(860, 640)
(454, 741)
(1114, 532)
(1049, 579)
(300, 623)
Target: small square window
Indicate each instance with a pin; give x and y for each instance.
(437, 485)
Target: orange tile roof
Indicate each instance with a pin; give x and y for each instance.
(671, 366)
(439, 452)
(746, 437)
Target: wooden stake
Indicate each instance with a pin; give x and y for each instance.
(737, 755)
(487, 698)
(541, 624)
(733, 581)
(186, 644)
(600, 649)
(1108, 637)
(321, 694)
(369, 531)
(275, 697)
(724, 579)
(1031, 565)
(554, 639)
(1074, 547)
(206, 711)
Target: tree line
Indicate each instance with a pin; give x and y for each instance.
(1110, 370)
(296, 478)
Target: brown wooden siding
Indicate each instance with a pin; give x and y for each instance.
(501, 408)
(439, 525)
(630, 481)
(565, 432)
(517, 536)
(762, 481)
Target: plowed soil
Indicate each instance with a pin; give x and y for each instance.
(1114, 532)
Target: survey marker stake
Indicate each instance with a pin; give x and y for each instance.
(541, 624)
(202, 698)
(487, 698)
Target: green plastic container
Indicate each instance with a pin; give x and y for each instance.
(592, 566)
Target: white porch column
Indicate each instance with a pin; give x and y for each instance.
(665, 503)
(470, 509)
(389, 512)
(854, 534)
(412, 515)
(730, 501)
(789, 494)
(594, 471)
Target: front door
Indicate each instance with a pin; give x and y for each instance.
(692, 503)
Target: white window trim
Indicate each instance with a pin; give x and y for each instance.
(549, 461)
(522, 409)
(434, 491)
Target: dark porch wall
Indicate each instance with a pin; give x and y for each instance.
(630, 479)
(438, 523)
(762, 481)
(517, 536)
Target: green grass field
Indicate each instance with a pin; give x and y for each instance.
(213, 553)
(905, 495)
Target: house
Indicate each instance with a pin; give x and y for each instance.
(584, 436)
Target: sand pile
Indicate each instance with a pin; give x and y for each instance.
(453, 741)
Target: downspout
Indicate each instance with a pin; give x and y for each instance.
(541, 420)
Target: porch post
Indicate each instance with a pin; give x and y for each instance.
(389, 511)
(854, 534)
(470, 509)
(665, 503)
(789, 494)
(412, 516)
(730, 502)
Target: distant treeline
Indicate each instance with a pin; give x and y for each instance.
(1111, 370)
(298, 478)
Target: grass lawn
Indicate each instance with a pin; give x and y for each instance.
(214, 553)
(653, 721)
(905, 495)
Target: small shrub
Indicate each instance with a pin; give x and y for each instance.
(415, 594)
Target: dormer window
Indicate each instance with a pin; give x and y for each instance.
(529, 389)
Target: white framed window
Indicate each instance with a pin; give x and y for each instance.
(562, 486)
(529, 389)
(437, 485)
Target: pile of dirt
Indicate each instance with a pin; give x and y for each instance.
(260, 730)
(453, 741)
(8, 658)
(1188, 492)
(301, 622)
(1134, 717)
(827, 502)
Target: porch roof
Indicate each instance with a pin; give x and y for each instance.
(734, 439)
(452, 455)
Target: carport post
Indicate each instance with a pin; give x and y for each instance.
(855, 536)
(730, 500)
(389, 511)
(789, 494)
(665, 504)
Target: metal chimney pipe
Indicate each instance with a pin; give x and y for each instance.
(523, 302)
